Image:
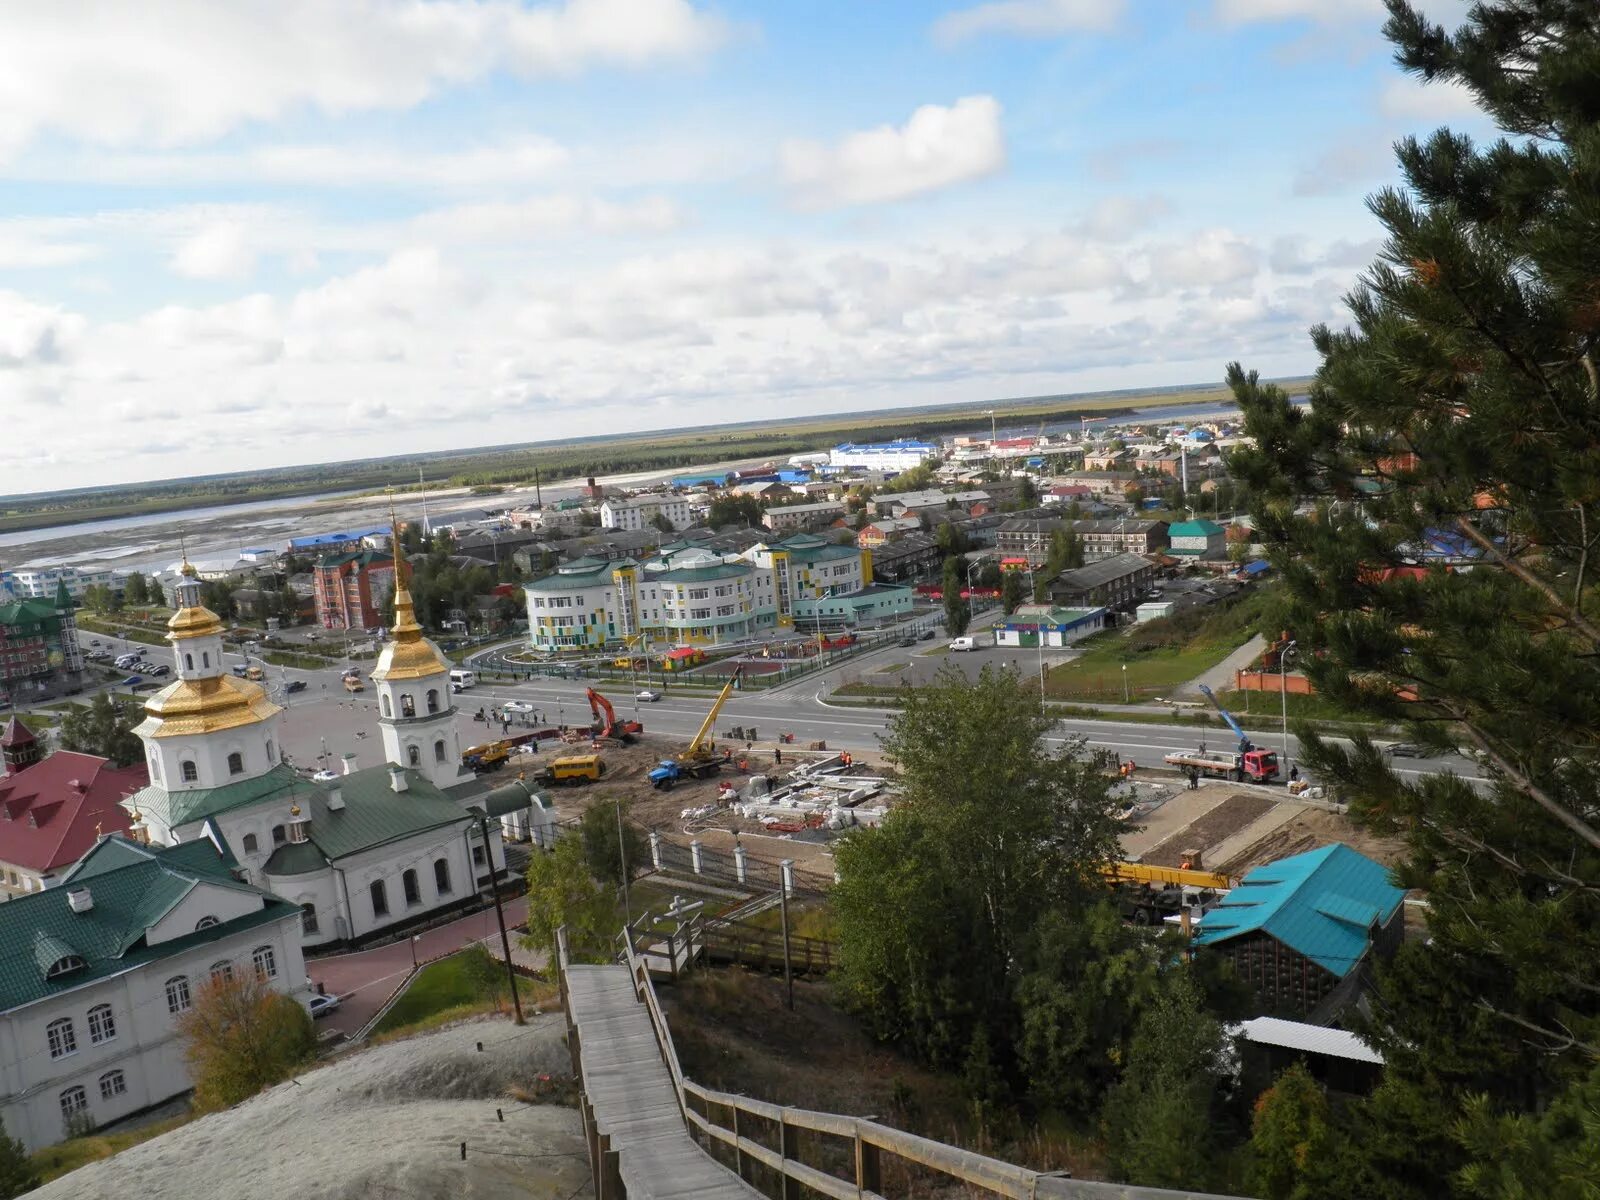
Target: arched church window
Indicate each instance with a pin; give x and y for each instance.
(408, 706)
(188, 662)
(438, 750)
(205, 658)
(386, 711)
(235, 763)
(413, 756)
(188, 770)
(433, 700)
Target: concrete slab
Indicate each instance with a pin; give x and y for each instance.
(1180, 812)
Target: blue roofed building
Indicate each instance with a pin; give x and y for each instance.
(1299, 928)
(339, 541)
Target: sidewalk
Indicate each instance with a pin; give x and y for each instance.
(1220, 677)
(364, 980)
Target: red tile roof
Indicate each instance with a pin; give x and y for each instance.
(52, 812)
(17, 734)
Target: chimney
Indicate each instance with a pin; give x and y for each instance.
(350, 763)
(79, 899)
(336, 798)
(397, 780)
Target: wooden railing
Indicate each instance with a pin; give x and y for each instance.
(763, 950)
(722, 1120)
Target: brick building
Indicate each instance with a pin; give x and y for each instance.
(39, 651)
(1111, 583)
(350, 589)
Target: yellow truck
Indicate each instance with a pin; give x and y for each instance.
(352, 683)
(255, 673)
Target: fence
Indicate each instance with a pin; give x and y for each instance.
(781, 1150)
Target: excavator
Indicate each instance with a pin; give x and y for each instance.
(701, 758)
(606, 724)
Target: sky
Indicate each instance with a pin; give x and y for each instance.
(267, 232)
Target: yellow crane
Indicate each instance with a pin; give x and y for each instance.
(700, 758)
(1127, 872)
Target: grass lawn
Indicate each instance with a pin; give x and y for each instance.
(57, 1160)
(459, 986)
(1271, 704)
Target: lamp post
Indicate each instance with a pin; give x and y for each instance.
(1283, 698)
(1125, 697)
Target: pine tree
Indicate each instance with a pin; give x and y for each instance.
(16, 1172)
(1443, 580)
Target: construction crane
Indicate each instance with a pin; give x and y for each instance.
(700, 758)
(1245, 744)
(606, 724)
(1127, 872)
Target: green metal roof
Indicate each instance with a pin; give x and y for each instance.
(27, 612)
(697, 574)
(373, 814)
(128, 883)
(295, 858)
(1323, 904)
(591, 576)
(1196, 528)
(183, 807)
(512, 797)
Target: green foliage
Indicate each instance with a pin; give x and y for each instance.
(604, 851)
(1290, 1135)
(663, 523)
(921, 478)
(472, 977)
(136, 590)
(1159, 1120)
(1463, 402)
(103, 728)
(728, 509)
(16, 1172)
(561, 891)
(1090, 978)
(1066, 553)
(936, 908)
(957, 611)
(1011, 591)
(1552, 1156)
(100, 598)
(1027, 492)
(240, 1037)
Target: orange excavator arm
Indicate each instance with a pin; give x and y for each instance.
(597, 703)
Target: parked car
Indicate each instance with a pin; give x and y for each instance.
(238, 670)
(322, 1004)
(325, 776)
(161, 671)
(517, 706)
(295, 685)
(648, 695)
(964, 643)
(926, 634)
(132, 680)
(95, 643)
(909, 639)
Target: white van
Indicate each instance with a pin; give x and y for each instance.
(125, 661)
(463, 679)
(964, 643)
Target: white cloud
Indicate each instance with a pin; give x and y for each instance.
(176, 72)
(1323, 12)
(1030, 18)
(33, 334)
(542, 215)
(1412, 100)
(936, 148)
(1345, 164)
(21, 250)
(1116, 218)
(220, 250)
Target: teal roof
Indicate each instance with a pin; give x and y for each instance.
(295, 858)
(374, 814)
(590, 572)
(132, 887)
(697, 574)
(512, 797)
(1323, 904)
(1196, 528)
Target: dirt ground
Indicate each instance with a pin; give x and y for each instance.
(1312, 828)
(1232, 815)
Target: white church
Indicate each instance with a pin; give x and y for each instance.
(375, 847)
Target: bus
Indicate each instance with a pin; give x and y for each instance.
(461, 680)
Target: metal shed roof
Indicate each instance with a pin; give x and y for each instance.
(1313, 1039)
(1322, 904)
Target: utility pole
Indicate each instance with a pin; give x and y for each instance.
(788, 970)
(500, 916)
(1283, 696)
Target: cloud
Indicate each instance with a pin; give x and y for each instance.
(1345, 164)
(1412, 100)
(220, 250)
(178, 72)
(1030, 18)
(937, 148)
(33, 334)
(543, 215)
(1116, 218)
(1323, 12)
(21, 251)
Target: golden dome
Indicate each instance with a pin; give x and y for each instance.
(198, 621)
(408, 655)
(192, 706)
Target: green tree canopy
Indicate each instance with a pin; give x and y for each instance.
(240, 1037)
(728, 509)
(1012, 592)
(1455, 425)
(137, 589)
(562, 892)
(957, 611)
(605, 849)
(103, 728)
(1290, 1134)
(16, 1171)
(936, 908)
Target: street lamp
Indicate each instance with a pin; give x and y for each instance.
(1283, 697)
(1126, 699)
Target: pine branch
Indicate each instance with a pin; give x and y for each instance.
(1579, 621)
(1539, 796)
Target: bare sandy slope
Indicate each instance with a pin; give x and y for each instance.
(382, 1123)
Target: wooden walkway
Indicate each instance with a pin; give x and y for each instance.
(638, 1138)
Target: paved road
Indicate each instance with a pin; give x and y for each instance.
(366, 979)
